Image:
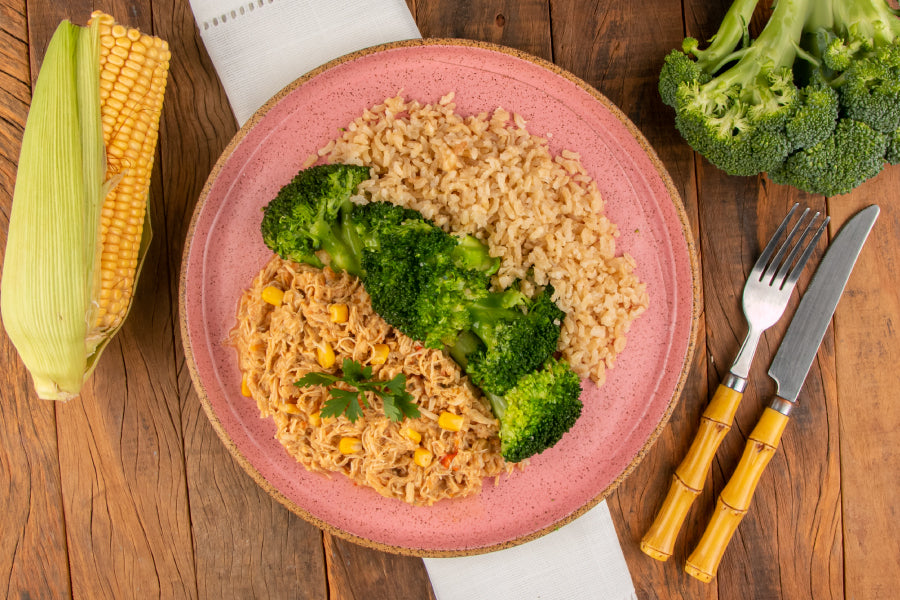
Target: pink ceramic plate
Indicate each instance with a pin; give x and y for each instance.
(224, 252)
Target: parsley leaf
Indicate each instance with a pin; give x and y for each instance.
(398, 403)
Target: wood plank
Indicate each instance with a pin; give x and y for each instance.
(125, 496)
(524, 25)
(866, 346)
(618, 48)
(772, 552)
(245, 543)
(33, 558)
(358, 573)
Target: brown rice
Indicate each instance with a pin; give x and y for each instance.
(488, 176)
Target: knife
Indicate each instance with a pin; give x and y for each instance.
(789, 368)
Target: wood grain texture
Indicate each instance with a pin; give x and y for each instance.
(128, 492)
(867, 345)
(245, 544)
(358, 573)
(524, 25)
(121, 453)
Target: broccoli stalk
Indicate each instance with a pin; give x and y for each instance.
(692, 64)
(814, 100)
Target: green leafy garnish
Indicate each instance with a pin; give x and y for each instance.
(398, 403)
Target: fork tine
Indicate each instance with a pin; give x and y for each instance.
(767, 252)
(807, 252)
(772, 268)
(785, 265)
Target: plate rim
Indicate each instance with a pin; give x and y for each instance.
(254, 473)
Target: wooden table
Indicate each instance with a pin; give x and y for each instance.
(128, 493)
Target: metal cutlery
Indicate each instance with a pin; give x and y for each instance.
(789, 369)
(765, 296)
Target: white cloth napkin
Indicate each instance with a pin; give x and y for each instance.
(258, 47)
(581, 560)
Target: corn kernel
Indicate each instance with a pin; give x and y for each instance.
(245, 389)
(325, 355)
(422, 457)
(412, 434)
(450, 422)
(272, 295)
(315, 419)
(379, 354)
(291, 409)
(128, 106)
(350, 445)
(339, 313)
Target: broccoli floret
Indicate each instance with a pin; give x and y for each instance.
(397, 259)
(305, 216)
(870, 89)
(419, 277)
(516, 333)
(737, 119)
(536, 413)
(679, 68)
(893, 152)
(838, 164)
(472, 253)
(816, 118)
(774, 104)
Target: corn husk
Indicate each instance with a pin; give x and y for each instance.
(51, 265)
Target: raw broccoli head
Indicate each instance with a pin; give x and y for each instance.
(893, 152)
(695, 65)
(304, 216)
(536, 413)
(740, 107)
(836, 165)
(517, 335)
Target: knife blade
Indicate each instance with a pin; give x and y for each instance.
(804, 335)
(789, 368)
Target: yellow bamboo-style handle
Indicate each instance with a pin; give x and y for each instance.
(687, 482)
(735, 498)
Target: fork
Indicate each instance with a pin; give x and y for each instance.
(766, 294)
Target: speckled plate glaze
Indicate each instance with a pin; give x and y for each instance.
(621, 420)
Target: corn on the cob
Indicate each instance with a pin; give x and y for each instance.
(133, 74)
(71, 257)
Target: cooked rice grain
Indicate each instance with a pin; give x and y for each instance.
(488, 176)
